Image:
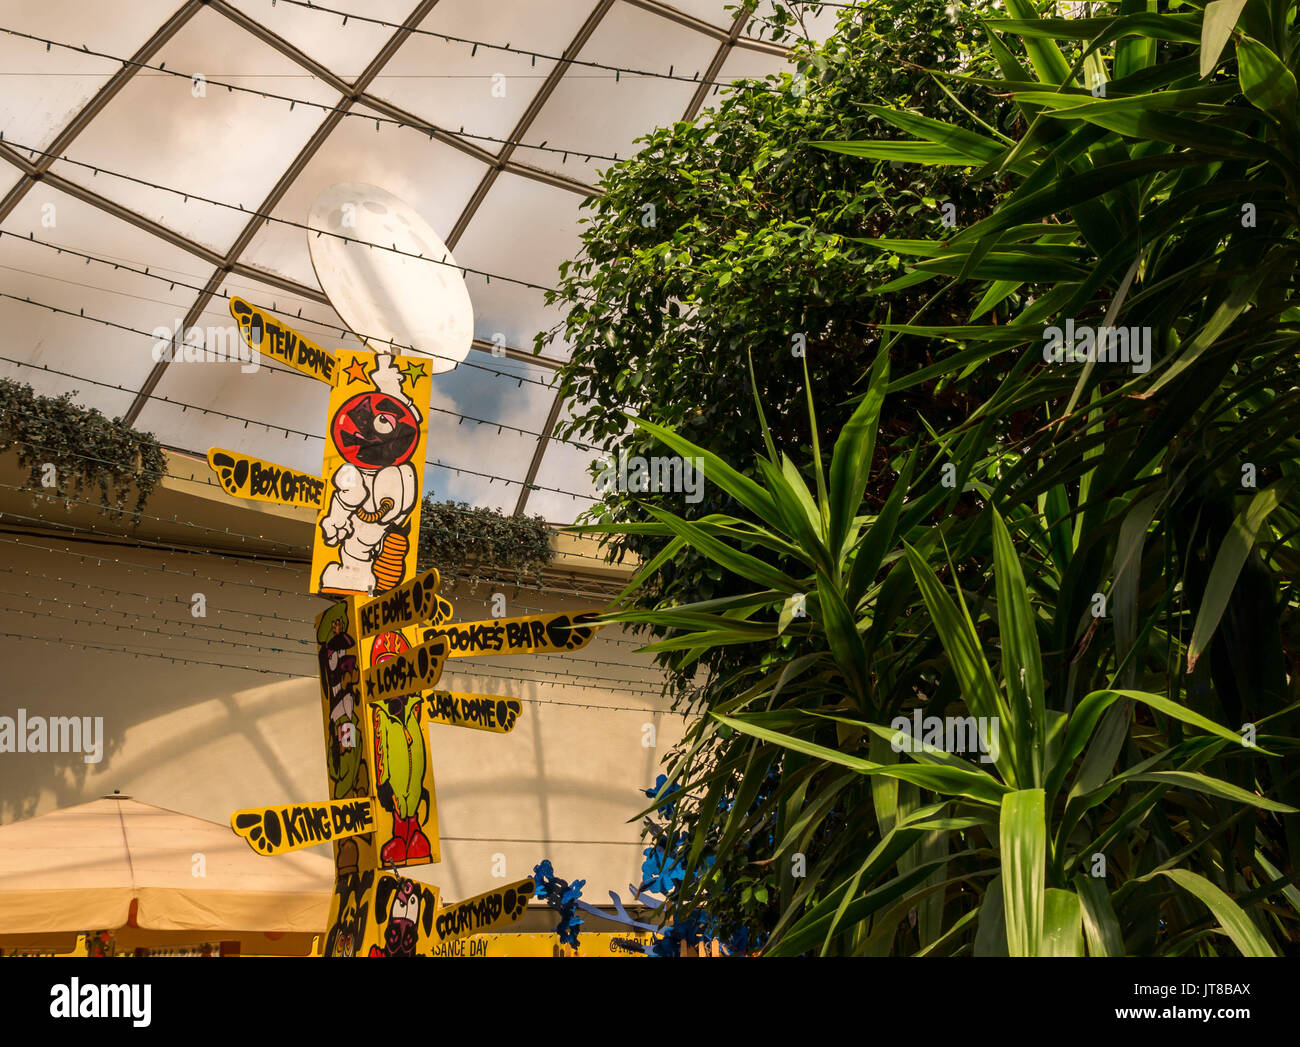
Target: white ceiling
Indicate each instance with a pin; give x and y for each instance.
(106, 103)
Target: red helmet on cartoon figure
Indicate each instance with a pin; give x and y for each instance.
(386, 646)
(373, 430)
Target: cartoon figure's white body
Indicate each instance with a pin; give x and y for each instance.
(367, 502)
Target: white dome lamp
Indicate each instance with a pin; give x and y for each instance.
(395, 301)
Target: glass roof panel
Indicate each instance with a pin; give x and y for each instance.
(523, 229)
(564, 466)
(87, 285)
(744, 64)
(712, 11)
(432, 177)
(43, 86)
(481, 89)
(592, 111)
(343, 49)
(196, 136)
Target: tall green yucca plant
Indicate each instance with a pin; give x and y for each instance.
(1050, 899)
(1154, 164)
(1016, 827)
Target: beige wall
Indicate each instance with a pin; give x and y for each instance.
(209, 739)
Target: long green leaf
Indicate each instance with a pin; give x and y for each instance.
(1228, 563)
(851, 459)
(1023, 840)
(1062, 923)
(1100, 925)
(1022, 661)
(1220, 19)
(1232, 919)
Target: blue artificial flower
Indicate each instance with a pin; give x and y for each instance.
(561, 896)
(660, 874)
(666, 808)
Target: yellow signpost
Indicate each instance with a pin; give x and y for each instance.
(377, 677)
(482, 712)
(270, 337)
(527, 634)
(261, 481)
(291, 826)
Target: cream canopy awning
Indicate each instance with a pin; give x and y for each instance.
(134, 869)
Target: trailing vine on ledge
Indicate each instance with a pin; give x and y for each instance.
(67, 449)
(476, 544)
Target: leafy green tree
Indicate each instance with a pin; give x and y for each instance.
(727, 238)
(1124, 606)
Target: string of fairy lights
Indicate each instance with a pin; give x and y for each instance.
(188, 195)
(260, 560)
(460, 470)
(265, 590)
(612, 683)
(499, 425)
(208, 481)
(210, 582)
(174, 282)
(267, 563)
(44, 593)
(429, 128)
(181, 660)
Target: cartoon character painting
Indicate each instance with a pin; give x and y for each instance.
(341, 680)
(412, 904)
(351, 894)
(377, 433)
(401, 765)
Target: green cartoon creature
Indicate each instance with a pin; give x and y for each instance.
(400, 763)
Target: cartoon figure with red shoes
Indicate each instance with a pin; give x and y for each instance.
(400, 763)
(376, 488)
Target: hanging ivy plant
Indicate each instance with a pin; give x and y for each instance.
(67, 449)
(464, 542)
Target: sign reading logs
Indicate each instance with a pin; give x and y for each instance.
(267, 335)
(409, 604)
(528, 634)
(259, 481)
(291, 826)
(406, 672)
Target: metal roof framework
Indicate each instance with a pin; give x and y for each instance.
(480, 190)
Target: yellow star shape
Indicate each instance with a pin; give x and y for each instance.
(356, 371)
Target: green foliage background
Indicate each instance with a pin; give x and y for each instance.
(981, 506)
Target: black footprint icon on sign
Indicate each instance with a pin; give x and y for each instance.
(265, 835)
(515, 900)
(561, 633)
(233, 475)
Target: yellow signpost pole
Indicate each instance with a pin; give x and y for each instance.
(381, 650)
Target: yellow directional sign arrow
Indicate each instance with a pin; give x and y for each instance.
(407, 672)
(412, 603)
(292, 826)
(273, 338)
(260, 481)
(527, 634)
(482, 712)
(484, 912)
